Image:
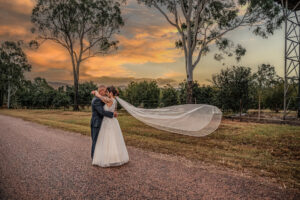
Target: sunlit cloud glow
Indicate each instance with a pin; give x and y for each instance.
(146, 48)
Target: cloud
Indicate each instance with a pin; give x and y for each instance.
(49, 55)
(147, 47)
(142, 48)
(15, 20)
(173, 75)
(155, 46)
(17, 6)
(16, 31)
(105, 66)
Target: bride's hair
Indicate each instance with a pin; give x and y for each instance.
(113, 90)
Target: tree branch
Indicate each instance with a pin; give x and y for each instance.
(183, 9)
(196, 27)
(205, 43)
(164, 14)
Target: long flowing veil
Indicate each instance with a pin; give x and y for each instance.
(188, 119)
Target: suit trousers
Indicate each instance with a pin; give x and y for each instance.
(94, 135)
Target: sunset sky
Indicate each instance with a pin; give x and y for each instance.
(147, 48)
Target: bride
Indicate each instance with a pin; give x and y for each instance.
(110, 147)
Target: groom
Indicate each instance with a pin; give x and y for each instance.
(98, 113)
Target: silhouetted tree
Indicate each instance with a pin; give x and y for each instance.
(83, 27)
(13, 64)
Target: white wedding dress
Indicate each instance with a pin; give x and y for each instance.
(110, 147)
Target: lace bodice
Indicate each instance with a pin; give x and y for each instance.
(112, 107)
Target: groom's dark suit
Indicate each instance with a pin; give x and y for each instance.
(98, 113)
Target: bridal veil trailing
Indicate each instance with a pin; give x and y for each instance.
(189, 119)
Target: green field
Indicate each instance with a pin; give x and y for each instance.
(264, 149)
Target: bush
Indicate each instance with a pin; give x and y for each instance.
(201, 94)
(144, 94)
(169, 96)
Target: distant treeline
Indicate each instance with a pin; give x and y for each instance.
(233, 89)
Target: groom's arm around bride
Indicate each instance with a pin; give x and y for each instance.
(98, 105)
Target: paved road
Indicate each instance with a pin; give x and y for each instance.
(38, 162)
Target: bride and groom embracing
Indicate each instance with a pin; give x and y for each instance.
(108, 146)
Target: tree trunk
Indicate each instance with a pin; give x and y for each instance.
(8, 95)
(1, 98)
(76, 80)
(189, 95)
(241, 109)
(75, 107)
(259, 99)
(298, 99)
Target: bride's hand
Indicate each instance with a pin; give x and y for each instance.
(93, 92)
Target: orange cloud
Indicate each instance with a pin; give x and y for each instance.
(141, 49)
(13, 30)
(106, 66)
(173, 75)
(49, 55)
(19, 6)
(155, 46)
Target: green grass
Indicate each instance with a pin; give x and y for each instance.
(264, 149)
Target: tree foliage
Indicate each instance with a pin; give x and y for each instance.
(169, 96)
(265, 78)
(234, 85)
(274, 97)
(39, 94)
(144, 94)
(201, 94)
(13, 64)
(85, 96)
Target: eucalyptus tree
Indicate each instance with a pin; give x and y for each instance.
(203, 23)
(265, 77)
(13, 64)
(233, 88)
(85, 28)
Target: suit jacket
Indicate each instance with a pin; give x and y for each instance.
(98, 112)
